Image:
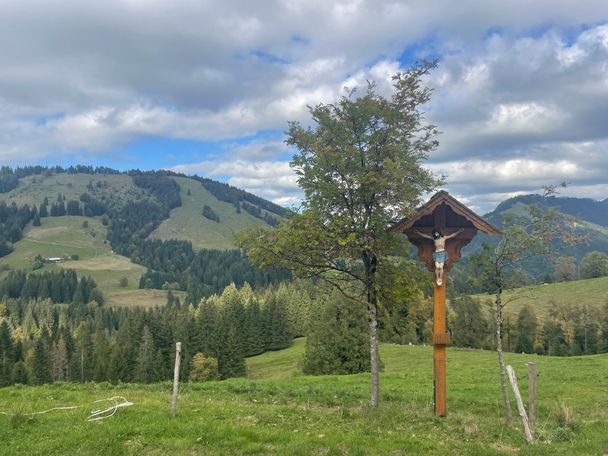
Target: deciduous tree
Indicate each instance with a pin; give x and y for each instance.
(360, 168)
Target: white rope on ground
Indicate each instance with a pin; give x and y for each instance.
(110, 411)
(95, 415)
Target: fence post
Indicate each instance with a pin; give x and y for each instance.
(532, 394)
(178, 351)
(520, 405)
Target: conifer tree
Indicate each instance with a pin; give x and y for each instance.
(7, 354)
(41, 366)
(337, 342)
(526, 330)
(231, 362)
(208, 327)
(278, 335)
(82, 358)
(20, 373)
(101, 353)
(144, 370)
(36, 217)
(254, 336)
(124, 350)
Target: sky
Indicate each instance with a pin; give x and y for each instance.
(207, 87)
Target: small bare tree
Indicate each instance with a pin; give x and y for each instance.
(524, 237)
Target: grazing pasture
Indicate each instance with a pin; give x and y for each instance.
(280, 411)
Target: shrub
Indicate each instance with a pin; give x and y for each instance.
(203, 368)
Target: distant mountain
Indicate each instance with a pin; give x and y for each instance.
(582, 208)
(591, 221)
(591, 218)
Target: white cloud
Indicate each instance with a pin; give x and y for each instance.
(274, 180)
(89, 78)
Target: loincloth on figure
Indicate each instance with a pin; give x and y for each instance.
(440, 257)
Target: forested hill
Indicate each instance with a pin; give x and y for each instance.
(181, 229)
(173, 206)
(582, 208)
(591, 219)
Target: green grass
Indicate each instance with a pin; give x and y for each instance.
(65, 236)
(293, 414)
(592, 292)
(33, 189)
(59, 237)
(187, 222)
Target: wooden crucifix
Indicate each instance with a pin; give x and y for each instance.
(439, 229)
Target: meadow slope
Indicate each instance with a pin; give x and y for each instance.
(280, 411)
(541, 298)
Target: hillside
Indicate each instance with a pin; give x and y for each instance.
(288, 413)
(187, 223)
(582, 208)
(117, 216)
(591, 218)
(85, 250)
(539, 269)
(542, 298)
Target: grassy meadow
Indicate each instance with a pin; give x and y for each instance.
(187, 222)
(32, 189)
(592, 292)
(66, 236)
(277, 410)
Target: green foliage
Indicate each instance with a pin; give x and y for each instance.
(145, 368)
(40, 364)
(7, 354)
(594, 264)
(565, 269)
(20, 374)
(203, 369)
(526, 330)
(470, 327)
(210, 214)
(360, 170)
(338, 343)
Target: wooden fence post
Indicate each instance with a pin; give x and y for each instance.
(520, 405)
(532, 394)
(178, 351)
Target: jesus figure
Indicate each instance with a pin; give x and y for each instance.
(440, 256)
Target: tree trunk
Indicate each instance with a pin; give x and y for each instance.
(373, 343)
(501, 362)
(370, 261)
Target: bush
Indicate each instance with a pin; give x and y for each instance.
(123, 282)
(203, 368)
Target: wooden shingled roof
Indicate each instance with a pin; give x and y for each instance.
(439, 198)
(446, 213)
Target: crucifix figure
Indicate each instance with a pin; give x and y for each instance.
(440, 256)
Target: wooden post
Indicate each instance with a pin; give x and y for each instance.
(178, 351)
(440, 341)
(520, 405)
(532, 394)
